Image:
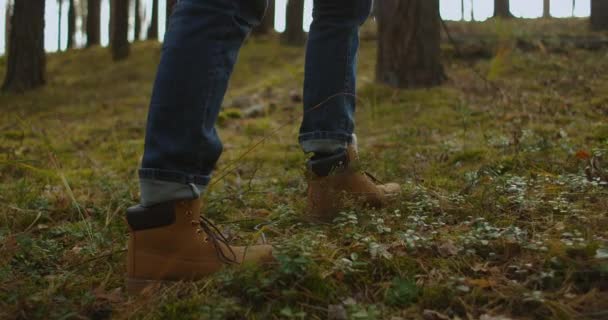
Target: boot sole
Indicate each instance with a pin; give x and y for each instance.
(139, 286)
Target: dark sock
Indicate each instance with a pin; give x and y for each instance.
(322, 164)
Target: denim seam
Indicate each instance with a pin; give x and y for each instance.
(173, 176)
(325, 135)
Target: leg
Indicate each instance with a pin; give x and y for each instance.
(199, 52)
(331, 62)
(329, 108)
(168, 241)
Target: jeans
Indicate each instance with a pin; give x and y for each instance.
(199, 52)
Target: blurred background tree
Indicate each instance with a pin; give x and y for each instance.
(119, 29)
(137, 20)
(93, 23)
(408, 43)
(152, 33)
(294, 34)
(267, 24)
(26, 63)
(502, 9)
(599, 15)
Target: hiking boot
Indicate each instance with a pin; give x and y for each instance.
(335, 184)
(170, 242)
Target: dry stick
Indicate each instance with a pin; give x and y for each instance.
(233, 165)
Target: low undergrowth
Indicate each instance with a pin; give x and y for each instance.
(503, 210)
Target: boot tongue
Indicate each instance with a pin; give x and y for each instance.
(323, 164)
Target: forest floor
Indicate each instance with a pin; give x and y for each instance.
(503, 213)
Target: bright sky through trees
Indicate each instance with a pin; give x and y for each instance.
(450, 10)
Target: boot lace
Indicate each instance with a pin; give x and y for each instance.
(218, 239)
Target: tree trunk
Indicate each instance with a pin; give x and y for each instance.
(573, 6)
(502, 9)
(599, 15)
(546, 8)
(472, 11)
(7, 24)
(59, 13)
(153, 28)
(26, 62)
(137, 23)
(169, 11)
(71, 24)
(267, 24)
(93, 22)
(294, 20)
(119, 40)
(408, 43)
(461, 10)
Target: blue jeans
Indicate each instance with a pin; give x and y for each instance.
(199, 53)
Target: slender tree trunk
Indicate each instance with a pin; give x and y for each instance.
(461, 10)
(294, 34)
(267, 24)
(153, 28)
(119, 40)
(546, 8)
(59, 13)
(169, 11)
(502, 9)
(7, 24)
(71, 23)
(599, 15)
(573, 7)
(93, 22)
(408, 43)
(137, 26)
(26, 62)
(472, 11)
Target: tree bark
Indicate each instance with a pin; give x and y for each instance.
(71, 24)
(93, 23)
(169, 11)
(267, 24)
(546, 8)
(137, 23)
(502, 9)
(26, 62)
(408, 43)
(153, 28)
(119, 41)
(294, 34)
(599, 15)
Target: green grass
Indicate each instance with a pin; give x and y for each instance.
(498, 214)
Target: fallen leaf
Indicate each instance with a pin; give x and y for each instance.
(583, 155)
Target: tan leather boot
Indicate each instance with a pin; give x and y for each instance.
(339, 185)
(171, 242)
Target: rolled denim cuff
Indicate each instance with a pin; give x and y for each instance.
(173, 176)
(154, 192)
(324, 142)
(158, 186)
